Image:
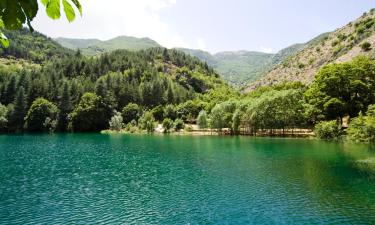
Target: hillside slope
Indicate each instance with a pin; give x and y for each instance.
(32, 46)
(95, 46)
(241, 67)
(342, 45)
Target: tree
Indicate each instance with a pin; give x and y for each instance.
(91, 114)
(147, 122)
(131, 112)
(216, 118)
(3, 117)
(202, 120)
(179, 124)
(17, 118)
(328, 130)
(116, 122)
(170, 112)
(14, 14)
(362, 128)
(65, 107)
(167, 125)
(41, 115)
(236, 121)
(343, 89)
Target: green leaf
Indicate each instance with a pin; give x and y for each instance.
(78, 5)
(45, 2)
(30, 9)
(69, 11)
(13, 16)
(4, 40)
(53, 9)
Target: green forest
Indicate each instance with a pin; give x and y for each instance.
(47, 88)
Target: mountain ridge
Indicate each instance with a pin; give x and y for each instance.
(341, 45)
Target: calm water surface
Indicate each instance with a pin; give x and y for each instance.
(93, 179)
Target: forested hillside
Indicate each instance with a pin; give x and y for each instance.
(95, 46)
(34, 47)
(342, 45)
(65, 90)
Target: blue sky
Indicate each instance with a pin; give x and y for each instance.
(212, 25)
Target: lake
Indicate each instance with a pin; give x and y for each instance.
(93, 179)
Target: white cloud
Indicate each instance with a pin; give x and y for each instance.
(111, 18)
(201, 44)
(266, 50)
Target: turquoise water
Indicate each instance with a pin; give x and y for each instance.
(93, 179)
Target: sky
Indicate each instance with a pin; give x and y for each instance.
(210, 25)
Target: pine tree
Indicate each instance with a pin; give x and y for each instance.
(11, 90)
(101, 89)
(65, 107)
(19, 110)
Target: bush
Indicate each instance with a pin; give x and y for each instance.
(179, 124)
(366, 46)
(42, 116)
(115, 123)
(362, 129)
(130, 112)
(170, 112)
(3, 117)
(202, 120)
(328, 130)
(167, 125)
(147, 122)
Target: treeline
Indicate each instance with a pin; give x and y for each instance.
(81, 93)
(339, 91)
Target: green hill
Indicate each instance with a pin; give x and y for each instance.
(34, 47)
(241, 67)
(95, 46)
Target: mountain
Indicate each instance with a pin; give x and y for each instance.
(242, 67)
(342, 45)
(95, 46)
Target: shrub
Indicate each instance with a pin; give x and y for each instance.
(167, 125)
(362, 128)
(366, 46)
(116, 122)
(170, 112)
(3, 117)
(202, 120)
(179, 124)
(147, 122)
(328, 130)
(130, 112)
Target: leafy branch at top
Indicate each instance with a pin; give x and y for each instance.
(15, 13)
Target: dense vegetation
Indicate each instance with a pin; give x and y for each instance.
(338, 91)
(73, 92)
(135, 91)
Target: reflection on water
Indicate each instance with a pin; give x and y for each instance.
(90, 178)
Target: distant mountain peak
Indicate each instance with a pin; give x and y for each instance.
(95, 46)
